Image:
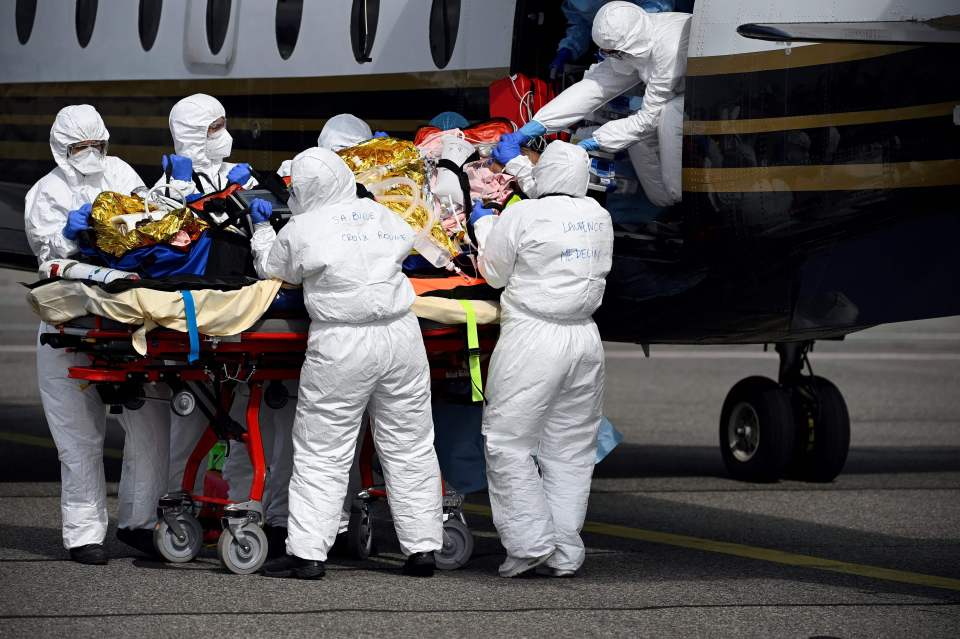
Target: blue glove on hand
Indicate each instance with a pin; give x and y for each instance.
(564, 55)
(508, 147)
(77, 221)
(532, 129)
(260, 211)
(181, 168)
(479, 212)
(589, 144)
(381, 134)
(240, 174)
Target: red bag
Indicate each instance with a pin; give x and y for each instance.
(518, 97)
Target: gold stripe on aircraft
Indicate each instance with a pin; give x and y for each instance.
(822, 177)
(767, 125)
(311, 125)
(472, 78)
(792, 58)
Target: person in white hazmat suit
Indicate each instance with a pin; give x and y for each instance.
(364, 351)
(57, 210)
(639, 47)
(339, 132)
(545, 385)
(202, 143)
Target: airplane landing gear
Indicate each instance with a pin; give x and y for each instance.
(797, 427)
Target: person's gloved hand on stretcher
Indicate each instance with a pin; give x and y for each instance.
(77, 222)
(179, 167)
(260, 211)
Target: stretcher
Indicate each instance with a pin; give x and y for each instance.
(203, 373)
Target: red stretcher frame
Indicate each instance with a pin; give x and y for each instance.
(253, 358)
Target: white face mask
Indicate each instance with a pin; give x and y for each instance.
(88, 162)
(219, 146)
(294, 205)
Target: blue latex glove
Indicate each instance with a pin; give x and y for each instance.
(508, 147)
(181, 168)
(479, 212)
(194, 197)
(563, 56)
(532, 129)
(381, 134)
(77, 221)
(589, 144)
(260, 211)
(240, 174)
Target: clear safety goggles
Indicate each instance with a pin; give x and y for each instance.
(77, 147)
(216, 126)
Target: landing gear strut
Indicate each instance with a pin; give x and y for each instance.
(795, 427)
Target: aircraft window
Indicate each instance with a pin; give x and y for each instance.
(289, 15)
(149, 22)
(444, 25)
(218, 20)
(363, 27)
(86, 19)
(26, 12)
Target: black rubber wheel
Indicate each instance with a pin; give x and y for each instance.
(457, 545)
(360, 533)
(823, 431)
(757, 430)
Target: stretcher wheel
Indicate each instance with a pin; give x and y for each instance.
(240, 560)
(457, 545)
(360, 533)
(182, 550)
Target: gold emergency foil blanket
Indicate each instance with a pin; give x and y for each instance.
(110, 240)
(380, 159)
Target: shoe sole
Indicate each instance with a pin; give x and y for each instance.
(532, 563)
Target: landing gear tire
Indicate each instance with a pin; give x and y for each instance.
(179, 550)
(823, 431)
(246, 558)
(757, 430)
(360, 533)
(457, 545)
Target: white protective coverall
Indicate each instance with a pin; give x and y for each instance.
(339, 132)
(545, 388)
(76, 416)
(365, 351)
(655, 53)
(189, 120)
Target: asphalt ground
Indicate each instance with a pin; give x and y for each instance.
(674, 547)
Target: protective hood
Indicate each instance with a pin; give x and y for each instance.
(320, 178)
(343, 131)
(563, 168)
(623, 26)
(189, 120)
(74, 124)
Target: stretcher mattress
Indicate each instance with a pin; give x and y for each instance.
(218, 313)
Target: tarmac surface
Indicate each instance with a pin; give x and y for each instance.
(674, 547)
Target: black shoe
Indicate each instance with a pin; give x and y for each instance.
(420, 564)
(276, 541)
(295, 567)
(139, 539)
(91, 554)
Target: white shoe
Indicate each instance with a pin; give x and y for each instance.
(514, 566)
(549, 571)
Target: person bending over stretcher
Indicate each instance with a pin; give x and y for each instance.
(365, 350)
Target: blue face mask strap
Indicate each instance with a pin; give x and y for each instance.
(190, 312)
